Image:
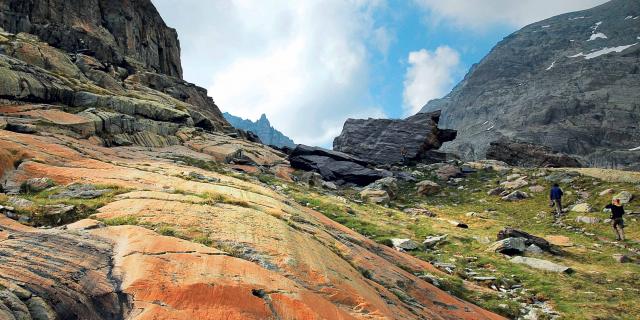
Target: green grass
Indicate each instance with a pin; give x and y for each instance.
(121, 221)
(83, 207)
(592, 292)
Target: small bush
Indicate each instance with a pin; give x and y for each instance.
(167, 231)
(122, 220)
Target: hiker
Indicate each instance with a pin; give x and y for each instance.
(617, 211)
(556, 198)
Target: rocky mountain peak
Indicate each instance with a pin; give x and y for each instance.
(262, 128)
(569, 83)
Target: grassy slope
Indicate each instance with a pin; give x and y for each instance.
(599, 289)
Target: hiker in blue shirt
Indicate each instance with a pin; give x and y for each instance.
(556, 198)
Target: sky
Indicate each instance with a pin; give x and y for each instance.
(311, 64)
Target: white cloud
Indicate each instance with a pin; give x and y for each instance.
(484, 14)
(303, 63)
(429, 76)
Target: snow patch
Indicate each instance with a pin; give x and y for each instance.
(602, 51)
(598, 35)
(485, 122)
(635, 149)
(547, 26)
(489, 129)
(576, 18)
(636, 18)
(551, 66)
(628, 17)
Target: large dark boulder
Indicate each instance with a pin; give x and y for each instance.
(524, 154)
(118, 32)
(558, 83)
(334, 166)
(381, 141)
(529, 239)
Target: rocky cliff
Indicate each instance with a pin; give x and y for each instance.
(392, 141)
(262, 128)
(569, 83)
(121, 33)
(188, 220)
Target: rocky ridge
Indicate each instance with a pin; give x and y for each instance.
(568, 82)
(263, 129)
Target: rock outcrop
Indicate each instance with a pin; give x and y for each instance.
(569, 83)
(335, 166)
(122, 34)
(528, 155)
(263, 129)
(265, 258)
(384, 141)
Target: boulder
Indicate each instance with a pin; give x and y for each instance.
(536, 189)
(334, 166)
(493, 165)
(509, 246)
(432, 241)
(427, 187)
(541, 264)
(312, 179)
(533, 249)
(529, 238)
(447, 172)
(329, 185)
(36, 185)
(382, 141)
(515, 196)
(515, 184)
(388, 184)
(624, 196)
(587, 220)
(375, 196)
(582, 207)
(495, 191)
(404, 244)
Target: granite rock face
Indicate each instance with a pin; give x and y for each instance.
(524, 154)
(569, 82)
(263, 129)
(382, 141)
(121, 33)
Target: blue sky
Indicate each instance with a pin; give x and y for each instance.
(311, 64)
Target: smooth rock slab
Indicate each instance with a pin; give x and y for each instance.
(541, 264)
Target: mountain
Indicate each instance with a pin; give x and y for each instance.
(262, 127)
(570, 83)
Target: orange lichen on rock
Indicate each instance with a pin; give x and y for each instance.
(269, 258)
